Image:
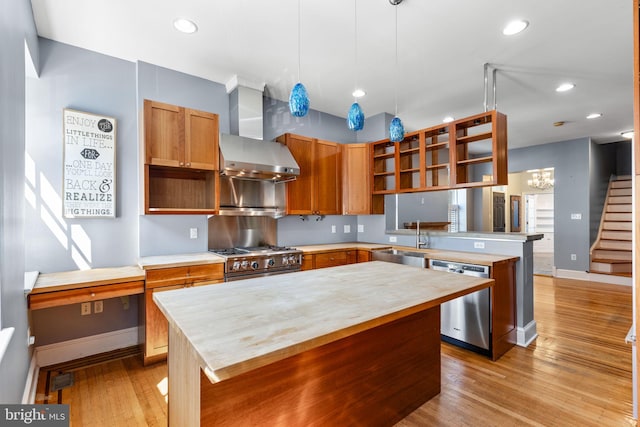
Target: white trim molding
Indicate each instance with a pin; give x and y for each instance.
(593, 277)
(31, 385)
(5, 338)
(527, 334)
(65, 351)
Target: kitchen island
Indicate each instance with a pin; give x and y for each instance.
(355, 344)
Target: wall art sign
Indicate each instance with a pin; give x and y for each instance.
(89, 177)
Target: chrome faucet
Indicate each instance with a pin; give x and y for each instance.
(420, 244)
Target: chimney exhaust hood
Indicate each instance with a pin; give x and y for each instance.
(249, 158)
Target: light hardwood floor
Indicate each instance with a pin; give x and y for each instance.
(577, 373)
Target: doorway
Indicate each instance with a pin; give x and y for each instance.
(498, 212)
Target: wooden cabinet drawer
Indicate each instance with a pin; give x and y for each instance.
(93, 293)
(330, 259)
(184, 275)
(206, 273)
(363, 255)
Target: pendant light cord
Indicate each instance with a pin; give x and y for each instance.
(396, 76)
(355, 18)
(299, 19)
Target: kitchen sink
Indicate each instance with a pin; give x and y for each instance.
(399, 256)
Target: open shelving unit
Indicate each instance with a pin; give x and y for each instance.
(453, 155)
(480, 149)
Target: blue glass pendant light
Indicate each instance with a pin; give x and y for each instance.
(355, 118)
(299, 99)
(396, 130)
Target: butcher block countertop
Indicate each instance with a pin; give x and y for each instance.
(179, 260)
(236, 327)
(459, 256)
(76, 279)
(310, 249)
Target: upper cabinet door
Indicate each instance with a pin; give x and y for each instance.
(356, 182)
(163, 134)
(201, 140)
(300, 192)
(328, 191)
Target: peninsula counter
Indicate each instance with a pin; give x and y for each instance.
(355, 344)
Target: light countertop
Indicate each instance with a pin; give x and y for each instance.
(240, 326)
(179, 260)
(310, 249)
(65, 280)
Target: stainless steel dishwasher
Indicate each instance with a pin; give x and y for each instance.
(466, 321)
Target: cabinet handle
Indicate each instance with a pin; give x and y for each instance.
(188, 164)
(93, 294)
(181, 163)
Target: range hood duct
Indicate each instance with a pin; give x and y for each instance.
(249, 158)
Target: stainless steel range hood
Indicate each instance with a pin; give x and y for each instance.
(249, 158)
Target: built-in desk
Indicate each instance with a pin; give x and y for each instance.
(72, 287)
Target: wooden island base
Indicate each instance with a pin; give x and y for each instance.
(373, 378)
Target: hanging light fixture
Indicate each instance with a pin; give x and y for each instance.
(540, 179)
(355, 117)
(299, 99)
(396, 129)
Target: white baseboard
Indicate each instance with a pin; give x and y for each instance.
(29, 395)
(593, 277)
(65, 351)
(527, 334)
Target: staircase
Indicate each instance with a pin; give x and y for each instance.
(611, 252)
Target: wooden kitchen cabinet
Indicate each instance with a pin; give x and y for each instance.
(180, 137)
(334, 258)
(181, 158)
(317, 190)
(363, 255)
(155, 339)
(356, 181)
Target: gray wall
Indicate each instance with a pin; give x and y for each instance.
(571, 160)
(82, 80)
(278, 120)
(16, 26)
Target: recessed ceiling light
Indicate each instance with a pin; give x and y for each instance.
(594, 115)
(358, 93)
(448, 119)
(185, 26)
(628, 134)
(514, 27)
(565, 87)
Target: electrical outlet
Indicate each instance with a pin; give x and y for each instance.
(333, 228)
(393, 239)
(478, 245)
(347, 229)
(85, 308)
(576, 216)
(360, 228)
(125, 302)
(573, 257)
(97, 307)
(193, 233)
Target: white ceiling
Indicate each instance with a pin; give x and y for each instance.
(442, 46)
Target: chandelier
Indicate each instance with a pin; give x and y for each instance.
(541, 180)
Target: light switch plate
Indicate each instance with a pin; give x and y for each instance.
(193, 233)
(347, 229)
(333, 228)
(360, 228)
